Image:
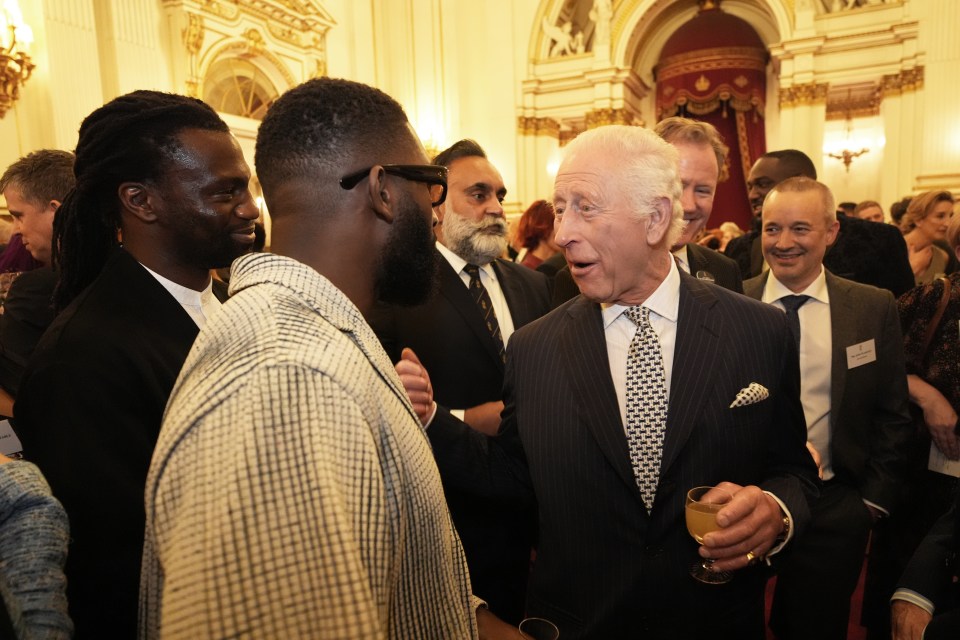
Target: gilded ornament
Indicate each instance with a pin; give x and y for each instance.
(702, 83)
(193, 33)
(741, 81)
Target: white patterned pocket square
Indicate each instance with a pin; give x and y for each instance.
(750, 395)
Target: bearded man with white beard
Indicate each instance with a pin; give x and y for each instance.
(460, 336)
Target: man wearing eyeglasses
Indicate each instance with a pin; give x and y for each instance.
(293, 493)
(460, 336)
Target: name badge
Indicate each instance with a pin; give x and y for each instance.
(860, 354)
(9, 442)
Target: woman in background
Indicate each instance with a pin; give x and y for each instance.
(535, 233)
(924, 223)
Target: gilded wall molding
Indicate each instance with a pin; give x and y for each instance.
(601, 117)
(803, 94)
(904, 82)
(538, 127)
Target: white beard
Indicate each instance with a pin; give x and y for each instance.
(476, 242)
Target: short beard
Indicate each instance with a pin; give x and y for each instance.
(408, 267)
(472, 240)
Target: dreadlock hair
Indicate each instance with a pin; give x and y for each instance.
(129, 139)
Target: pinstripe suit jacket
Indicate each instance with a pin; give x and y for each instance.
(605, 566)
(870, 426)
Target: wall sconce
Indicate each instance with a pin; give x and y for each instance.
(15, 65)
(842, 150)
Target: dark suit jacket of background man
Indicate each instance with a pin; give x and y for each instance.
(867, 252)
(870, 433)
(934, 573)
(723, 269)
(450, 338)
(27, 312)
(88, 414)
(869, 423)
(605, 568)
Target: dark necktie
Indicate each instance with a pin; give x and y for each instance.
(482, 298)
(646, 404)
(791, 304)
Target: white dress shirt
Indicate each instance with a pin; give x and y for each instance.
(199, 305)
(816, 348)
(664, 305)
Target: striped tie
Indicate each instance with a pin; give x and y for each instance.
(482, 298)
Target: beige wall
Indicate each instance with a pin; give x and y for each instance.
(470, 69)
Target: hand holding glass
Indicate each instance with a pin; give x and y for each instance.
(703, 503)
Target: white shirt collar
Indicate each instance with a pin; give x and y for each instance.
(774, 289)
(459, 263)
(664, 301)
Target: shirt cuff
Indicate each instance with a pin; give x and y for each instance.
(459, 414)
(914, 598)
(433, 414)
(877, 507)
(789, 533)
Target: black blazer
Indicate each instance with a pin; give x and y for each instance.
(27, 312)
(449, 336)
(88, 414)
(934, 573)
(870, 426)
(605, 567)
(723, 269)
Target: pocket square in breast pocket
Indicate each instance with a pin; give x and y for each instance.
(751, 394)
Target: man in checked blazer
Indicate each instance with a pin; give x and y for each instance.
(464, 358)
(608, 566)
(854, 395)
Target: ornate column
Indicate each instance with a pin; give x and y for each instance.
(940, 162)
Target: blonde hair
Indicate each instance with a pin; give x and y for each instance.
(676, 129)
(921, 206)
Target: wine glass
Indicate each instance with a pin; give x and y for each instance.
(703, 503)
(538, 629)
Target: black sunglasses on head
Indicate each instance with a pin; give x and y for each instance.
(430, 174)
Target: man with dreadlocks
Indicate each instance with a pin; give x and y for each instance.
(161, 198)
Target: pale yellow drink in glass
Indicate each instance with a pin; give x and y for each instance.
(702, 519)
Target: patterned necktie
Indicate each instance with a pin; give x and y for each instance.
(646, 404)
(791, 304)
(482, 298)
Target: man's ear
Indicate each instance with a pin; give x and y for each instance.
(136, 199)
(659, 221)
(53, 205)
(382, 200)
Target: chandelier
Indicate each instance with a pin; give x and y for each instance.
(15, 63)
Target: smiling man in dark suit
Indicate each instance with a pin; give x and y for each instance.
(610, 475)
(460, 335)
(703, 157)
(162, 172)
(854, 395)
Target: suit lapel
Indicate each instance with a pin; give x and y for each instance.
(843, 333)
(513, 293)
(453, 289)
(696, 350)
(589, 370)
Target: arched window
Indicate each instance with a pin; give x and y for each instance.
(238, 87)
